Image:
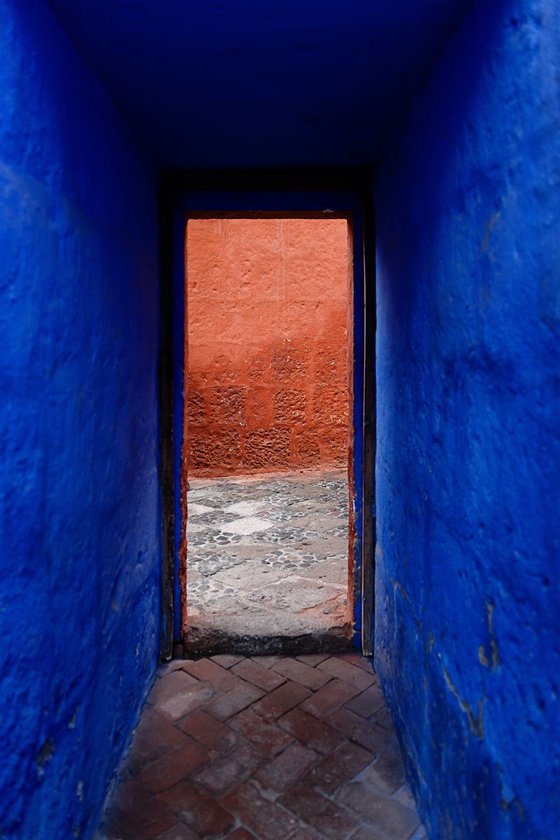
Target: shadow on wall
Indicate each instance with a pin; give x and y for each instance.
(267, 314)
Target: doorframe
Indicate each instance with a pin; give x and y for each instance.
(189, 196)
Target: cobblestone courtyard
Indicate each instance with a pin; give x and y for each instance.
(264, 748)
(267, 559)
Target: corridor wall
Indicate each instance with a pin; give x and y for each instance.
(468, 343)
(80, 551)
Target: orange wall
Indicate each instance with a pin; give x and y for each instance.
(267, 344)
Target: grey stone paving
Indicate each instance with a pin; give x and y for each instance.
(267, 557)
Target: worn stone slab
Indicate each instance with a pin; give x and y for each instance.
(268, 557)
(246, 525)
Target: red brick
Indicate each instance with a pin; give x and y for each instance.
(266, 819)
(209, 672)
(310, 731)
(404, 796)
(221, 446)
(348, 673)
(249, 755)
(265, 735)
(383, 718)
(174, 665)
(368, 702)
(369, 832)
(226, 660)
(195, 407)
(266, 661)
(319, 812)
(290, 406)
(205, 816)
(137, 814)
(173, 767)
(260, 676)
(177, 693)
(222, 775)
(306, 833)
(208, 731)
(359, 661)
(240, 834)
(338, 768)
(179, 832)
(266, 448)
(329, 698)
(281, 700)
(312, 659)
(227, 405)
(286, 768)
(387, 773)
(390, 817)
(233, 701)
(155, 737)
(363, 732)
(301, 673)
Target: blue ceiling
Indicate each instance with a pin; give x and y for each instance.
(261, 83)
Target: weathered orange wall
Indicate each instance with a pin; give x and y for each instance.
(267, 344)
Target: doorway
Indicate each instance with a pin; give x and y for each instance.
(267, 434)
(270, 207)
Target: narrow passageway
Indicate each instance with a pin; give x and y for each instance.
(269, 748)
(268, 562)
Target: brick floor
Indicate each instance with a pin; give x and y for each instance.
(264, 748)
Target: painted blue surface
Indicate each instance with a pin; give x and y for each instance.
(260, 84)
(199, 201)
(80, 556)
(468, 627)
(468, 214)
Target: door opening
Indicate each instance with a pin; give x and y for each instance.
(268, 397)
(183, 456)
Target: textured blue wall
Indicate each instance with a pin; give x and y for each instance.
(468, 627)
(78, 490)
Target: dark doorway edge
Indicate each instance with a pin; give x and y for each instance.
(358, 181)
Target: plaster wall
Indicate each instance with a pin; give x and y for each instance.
(468, 462)
(267, 315)
(80, 548)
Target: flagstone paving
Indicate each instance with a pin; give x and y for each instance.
(264, 748)
(267, 562)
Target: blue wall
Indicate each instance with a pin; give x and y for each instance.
(78, 437)
(468, 626)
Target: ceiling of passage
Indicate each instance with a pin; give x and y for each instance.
(261, 83)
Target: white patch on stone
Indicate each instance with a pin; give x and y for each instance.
(246, 508)
(197, 527)
(245, 526)
(194, 509)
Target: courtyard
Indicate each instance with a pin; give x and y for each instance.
(267, 563)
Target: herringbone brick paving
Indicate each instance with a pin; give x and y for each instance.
(277, 748)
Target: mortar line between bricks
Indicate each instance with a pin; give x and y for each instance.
(345, 762)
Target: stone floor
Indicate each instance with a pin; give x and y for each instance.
(269, 747)
(267, 560)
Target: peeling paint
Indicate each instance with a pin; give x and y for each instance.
(475, 721)
(489, 658)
